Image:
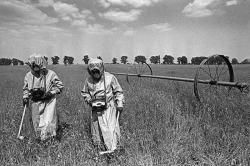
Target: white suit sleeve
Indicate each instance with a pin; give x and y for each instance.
(85, 93)
(57, 85)
(118, 92)
(25, 87)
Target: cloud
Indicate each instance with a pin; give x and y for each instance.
(79, 23)
(66, 18)
(45, 3)
(98, 29)
(204, 8)
(161, 27)
(69, 12)
(104, 3)
(17, 30)
(129, 32)
(13, 11)
(133, 3)
(198, 8)
(232, 2)
(64, 9)
(120, 16)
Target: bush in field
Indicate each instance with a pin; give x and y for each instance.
(5, 61)
(17, 62)
(155, 59)
(197, 60)
(168, 59)
(234, 61)
(182, 60)
(246, 61)
(68, 60)
(124, 59)
(55, 60)
(114, 60)
(86, 59)
(140, 58)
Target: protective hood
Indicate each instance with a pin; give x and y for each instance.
(96, 64)
(37, 59)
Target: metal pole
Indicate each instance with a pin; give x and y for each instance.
(21, 124)
(210, 82)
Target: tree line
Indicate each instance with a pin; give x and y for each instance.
(167, 59)
(55, 60)
(8, 61)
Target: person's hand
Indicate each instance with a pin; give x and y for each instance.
(47, 96)
(120, 109)
(25, 101)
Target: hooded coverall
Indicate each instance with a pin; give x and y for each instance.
(104, 124)
(44, 115)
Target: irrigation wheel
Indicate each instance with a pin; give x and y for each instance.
(138, 69)
(215, 68)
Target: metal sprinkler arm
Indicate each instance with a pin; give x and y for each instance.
(210, 82)
(211, 69)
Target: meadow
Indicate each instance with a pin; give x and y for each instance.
(162, 122)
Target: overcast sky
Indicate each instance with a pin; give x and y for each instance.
(113, 28)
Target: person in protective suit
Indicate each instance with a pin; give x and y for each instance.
(41, 86)
(104, 95)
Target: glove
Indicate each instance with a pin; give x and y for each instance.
(25, 101)
(120, 109)
(47, 96)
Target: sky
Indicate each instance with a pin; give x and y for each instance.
(115, 28)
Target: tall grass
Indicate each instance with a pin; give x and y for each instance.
(162, 123)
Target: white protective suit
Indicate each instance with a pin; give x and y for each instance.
(44, 115)
(104, 124)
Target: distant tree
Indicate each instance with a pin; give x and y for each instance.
(17, 61)
(197, 60)
(140, 58)
(114, 60)
(5, 61)
(86, 59)
(65, 60)
(168, 59)
(155, 59)
(215, 60)
(71, 60)
(124, 59)
(184, 60)
(99, 57)
(55, 60)
(68, 60)
(235, 61)
(179, 60)
(246, 61)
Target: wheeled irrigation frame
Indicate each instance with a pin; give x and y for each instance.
(244, 87)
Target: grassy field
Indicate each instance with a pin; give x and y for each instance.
(162, 123)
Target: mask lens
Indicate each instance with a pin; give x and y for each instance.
(35, 67)
(95, 71)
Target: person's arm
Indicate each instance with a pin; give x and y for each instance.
(25, 87)
(85, 93)
(26, 91)
(56, 85)
(118, 92)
